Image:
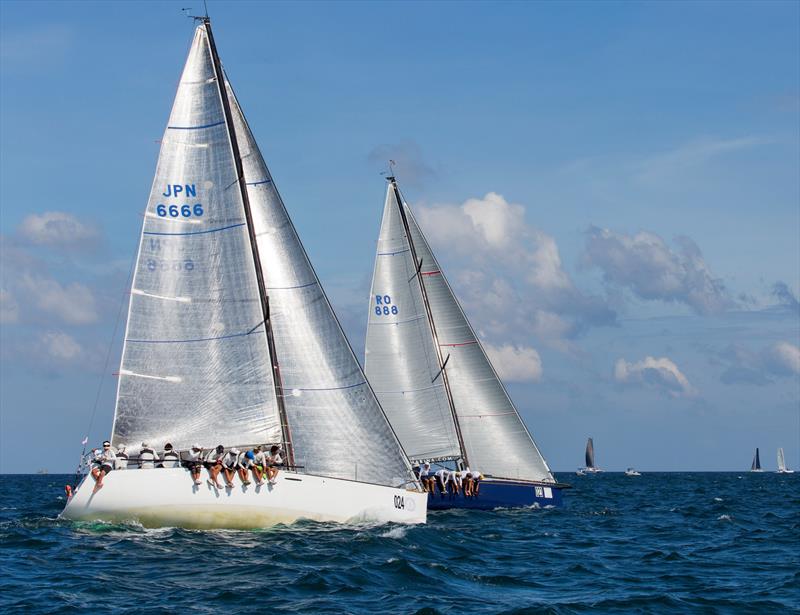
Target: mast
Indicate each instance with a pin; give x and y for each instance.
(429, 313)
(262, 290)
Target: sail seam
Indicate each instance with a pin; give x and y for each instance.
(199, 339)
(292, 287)
(213, 230)
(349, 386)
(263, 181)
(399, 322)
(393, 253)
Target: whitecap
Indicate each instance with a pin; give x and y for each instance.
(724, 518)
(395, 532)
(718, 500)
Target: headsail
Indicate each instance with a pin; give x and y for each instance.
(337, 426)
(589, 453)
(781, 461)
(195, 365)
(495, 440)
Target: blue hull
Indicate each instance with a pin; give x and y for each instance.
(501, 494)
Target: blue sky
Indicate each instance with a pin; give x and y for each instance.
(612, 189)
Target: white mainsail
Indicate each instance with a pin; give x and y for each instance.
(781, 461)
(230, 337)
(493, 437)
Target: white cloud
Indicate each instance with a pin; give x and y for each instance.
(60, 347)
(661, 374)
(57, 229)
(515, 363)
(745, 366)
(783, 358)
(509, 274)
(9, 308)
(646, 265)
(72, 303)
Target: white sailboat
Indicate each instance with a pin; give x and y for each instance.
(756, 465)
(434, 380)
(632, 472)
(782, 469)
(590, 468)
(230, 339)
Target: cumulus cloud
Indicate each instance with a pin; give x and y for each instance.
(661, 374)
(57, 229)
(70, 303)
(508, 273)
(515, 363)
(784, 295)
(744, 366)
(9, 308)
(410, 165)
(652, 270)
(59, 347)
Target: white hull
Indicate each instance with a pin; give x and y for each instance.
(786, 471)
(592, 470)
(168, 498)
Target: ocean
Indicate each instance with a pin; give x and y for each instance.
(662, 542)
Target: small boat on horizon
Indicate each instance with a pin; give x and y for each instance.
(756, 465)
(632, 472)
(590, 468)
(782, 469)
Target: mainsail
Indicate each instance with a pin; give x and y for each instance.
(781, 461)
(590, 453)
(756, 465)
(230, 338)
(456, 371)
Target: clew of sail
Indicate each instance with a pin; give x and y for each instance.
(337, 426)
(589, 453)
(400, 358)
(195, 365)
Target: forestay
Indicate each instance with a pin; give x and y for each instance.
(400, 360)
(195, 365)
(495, 439)
(337, 426)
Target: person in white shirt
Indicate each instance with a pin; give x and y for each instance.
(230, 464)
(244, 463)
(454, 481)
(477, 477)
(194, 462)
(170, 457)
(466, 482)
(441, 480)
(147, 457)
(425, 477)
(274, 460)
(259, 466)
(103, 463)
(213, 463)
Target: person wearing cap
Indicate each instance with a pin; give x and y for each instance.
(103, 463)
(466, 481)
(193, 461)
(245, 461)
(121, 461)
(170, 457)
(441, 480)
(147, 457)
(230, 465)
(476, 477)
(213, 463)
(425, 477)
(274, 460)
(259, 466)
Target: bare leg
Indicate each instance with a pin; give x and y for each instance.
(214, 473)
(243, 475)
(257, 475)
(98, 481)
(196, 474)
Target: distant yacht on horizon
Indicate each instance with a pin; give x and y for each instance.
(632, 472)
(590, 468)
(782, 469)
(756, 465)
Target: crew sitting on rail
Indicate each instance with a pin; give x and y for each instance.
(454, 482)
(230, 464)
(476, 478)
(213, 463)
(244, 463)
(170, 457)
(259, 466)
(194, 461)
(274, 460)
(147, 457)
(466, 482)
(102, 464)
(441, 480)
(121, 461)
(428, 481)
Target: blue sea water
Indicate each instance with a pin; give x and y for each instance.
(662, 542)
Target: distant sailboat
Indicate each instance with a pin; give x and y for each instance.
(590, 468)
(756, 465)
(434, 380)
(231, 339)
(632, 472)
(782, 469)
